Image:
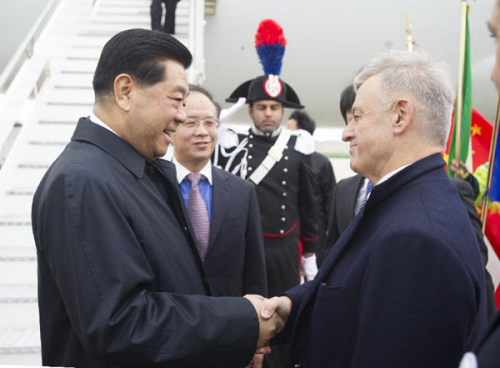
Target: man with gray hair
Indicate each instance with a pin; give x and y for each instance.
(404, 284)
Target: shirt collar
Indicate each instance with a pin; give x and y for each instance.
(122, 151)
(261, 133)
(391, 174)
(182, 172)
(101, 123)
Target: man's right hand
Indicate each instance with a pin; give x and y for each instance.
(282, 306)
(270, 323)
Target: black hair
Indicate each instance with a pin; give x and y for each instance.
(206, 93)
(347, 98)
(304, 121)
(138, 53)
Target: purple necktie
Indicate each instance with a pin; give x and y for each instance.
(198, 215)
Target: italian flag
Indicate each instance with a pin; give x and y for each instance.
(475, 141)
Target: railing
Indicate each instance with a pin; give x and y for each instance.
(196, 74)
(25, 50)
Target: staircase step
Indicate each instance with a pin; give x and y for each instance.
(17, 254)
(16, 294)
(22, 273)
(20, 340)
(16, 205)
(69, 96)
(66, 65)
(129, 19)
(69, 114)
(16, 233)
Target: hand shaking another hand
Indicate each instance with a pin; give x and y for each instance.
(273, 314)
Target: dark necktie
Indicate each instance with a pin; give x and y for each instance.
(198, 215)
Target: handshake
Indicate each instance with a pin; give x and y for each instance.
(273, 314)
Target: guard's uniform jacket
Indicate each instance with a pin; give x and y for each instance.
(285, 196)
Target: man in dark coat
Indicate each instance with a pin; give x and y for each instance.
(324, 180)
(234, 255)
(404, 285)
(120, 280)
(349, 194)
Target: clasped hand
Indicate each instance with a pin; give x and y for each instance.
(273, 314)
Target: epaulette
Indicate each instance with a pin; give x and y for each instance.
(305, 142)
(228, 138)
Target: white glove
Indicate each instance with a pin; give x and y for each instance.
(309, 268)
(226, 113)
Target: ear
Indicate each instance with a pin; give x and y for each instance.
(250, 112)
(123, 86)
(402, 115)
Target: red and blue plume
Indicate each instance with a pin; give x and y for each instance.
(270, 44)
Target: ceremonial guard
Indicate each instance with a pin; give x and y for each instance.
(277, 162)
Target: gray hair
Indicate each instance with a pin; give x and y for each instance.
(427, 80)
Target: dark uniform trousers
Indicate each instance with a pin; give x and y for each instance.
(156, 13)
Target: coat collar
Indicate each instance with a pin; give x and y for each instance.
(383, 190)
(121, 150)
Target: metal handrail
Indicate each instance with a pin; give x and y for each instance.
(25, 49)
(196, 73)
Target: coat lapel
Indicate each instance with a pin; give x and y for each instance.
(169, 170)
(219, 192)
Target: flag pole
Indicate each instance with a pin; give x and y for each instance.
(494, 138)
(409, 39)
(461, 67)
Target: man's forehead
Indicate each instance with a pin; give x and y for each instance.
(267, 103)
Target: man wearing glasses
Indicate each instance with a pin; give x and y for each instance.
(222, 208)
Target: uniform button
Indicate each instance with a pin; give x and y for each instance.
(283, 182)
(219, 167)
(250, 145)
(251, 136)
(282, 231)
(250, 169)
(283, 219)
(185, 229)
(283, 207)
(286, 157)
(284, 194)
(250, 157)
(285, 170)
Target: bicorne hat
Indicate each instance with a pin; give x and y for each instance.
(270, 45)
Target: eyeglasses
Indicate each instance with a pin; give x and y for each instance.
(208, 123)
